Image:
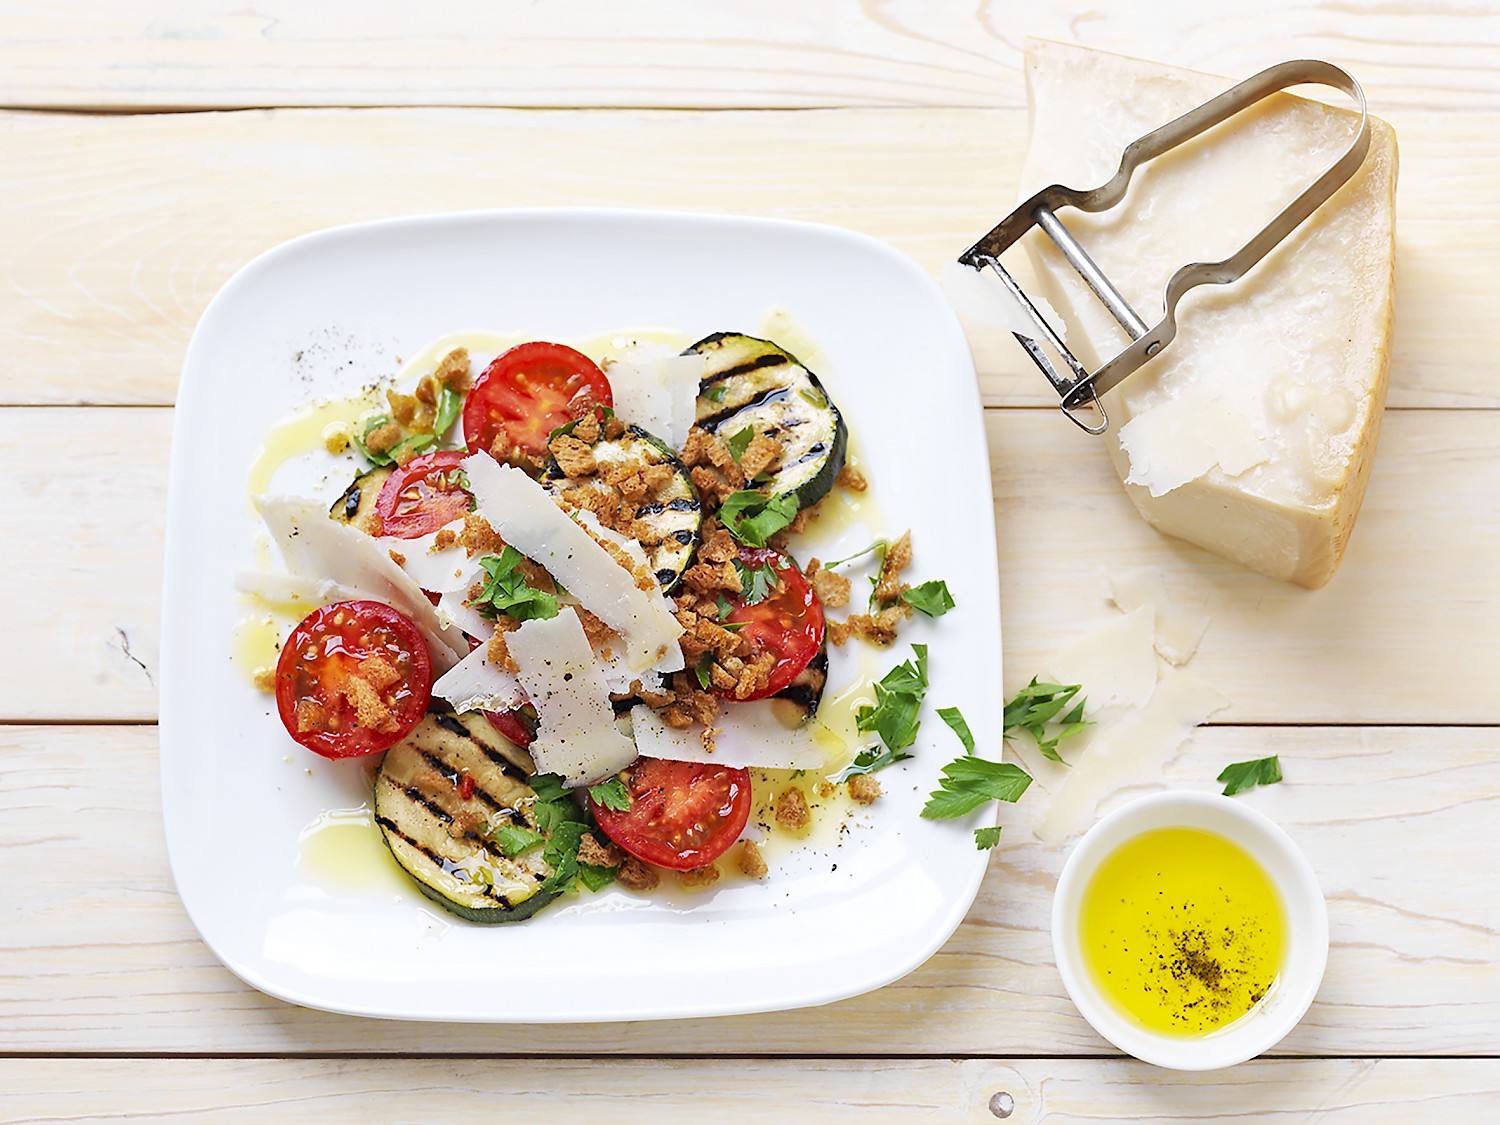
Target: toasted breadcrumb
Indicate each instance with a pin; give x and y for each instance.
(264, 679)
(479, 538)
(791, 810)
(370, 710)
(574, 457)
(497, 653)
(897, 558)
(382, 439)
(832, 589)
(699, 876)
(852, 479)
(587, 430)
(878, 627)
(750, 861)
(397, 557)
(595, 854)
(761, 455)
(636, 875)
(445, 538)
(863, 789)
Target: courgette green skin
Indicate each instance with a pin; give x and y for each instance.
(357, 504)
(432, 829)
(733, 356)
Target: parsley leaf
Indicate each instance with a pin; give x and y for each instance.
(450, 405)
(613, 794)
(1247, 775)
(898, 703)
(1036, 705)
(869, 760)
(931, 598)
(986, 838)
(513, 839)
(756, 582)
(595, 878)
(704, 670)
(715, 393)
(725, 608)
(561, 854)
(880, 546)
(753, 517)
(506, 591)
(969, 782)
(955, 719)
(410, 446)
(739, 441)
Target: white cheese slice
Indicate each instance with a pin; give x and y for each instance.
(295, 593)
(1115, 664)
(576, 735)
(526, 518)
(474, 683)
(1126, 750)
(438, 571)
(452, 611)
(980, 296)
(656, 389)
(748, 735)
(322, 549)
(1178, 632)
(1253, 433)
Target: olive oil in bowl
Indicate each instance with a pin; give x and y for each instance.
(1182, 930)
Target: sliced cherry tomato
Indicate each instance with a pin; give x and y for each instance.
(423, 495)
(353, 679)
(519, 725)
(528, 392)
(787, 622)
(682, 814)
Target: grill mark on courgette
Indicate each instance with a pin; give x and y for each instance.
(417, 797)
(771, 359)
(499, 760)
(443, 863)
(452, 775)
(760, 398)
(656, 508)
(351, 503)
(814, 450)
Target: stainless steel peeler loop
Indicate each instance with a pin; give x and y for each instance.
(1079, 389)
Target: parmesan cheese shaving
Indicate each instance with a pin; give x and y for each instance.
(525, 516)
(1178, 633)
(322, 549)
(438, 571)
(576, 733)
(474, 683)
(748, 735)
(1116, 663)
(656, 390)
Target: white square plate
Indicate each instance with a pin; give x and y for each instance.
(325, 313)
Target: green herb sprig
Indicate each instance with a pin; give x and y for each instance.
(507, 592)
(753, 517)
(1240, 776)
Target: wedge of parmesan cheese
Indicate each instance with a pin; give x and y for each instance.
(324, 550)
(576, 735)
(1252, 434)
(528, 520)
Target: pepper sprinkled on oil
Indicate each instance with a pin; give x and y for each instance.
(1183, 930)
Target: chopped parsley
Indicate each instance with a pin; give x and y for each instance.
(880, 546)
(715, 393)
(1241, 776)
(613, 794)
(986, 838)
(739, 441)
(753, 517)
(703, 670)
(895, 716)
(955, 719)
(361, 441)
(565, 824)
(1035, 709)
(513, 839)
(507, 592)
(931, 598)
(969, 781)
(450, 405)
(756, 582)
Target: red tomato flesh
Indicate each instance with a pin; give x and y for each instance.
(788, 622)
(353, 678)
(423, 495)
(682, 814)
(528, 392)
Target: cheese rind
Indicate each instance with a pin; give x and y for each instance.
(1252, 434)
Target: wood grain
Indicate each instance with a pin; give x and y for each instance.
(118, 231)
(669, 1092)
(99, 955)
(1377, 645)
(223, 54)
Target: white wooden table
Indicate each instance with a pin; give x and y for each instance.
(906, 121)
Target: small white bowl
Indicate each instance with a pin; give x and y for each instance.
(1306, 917)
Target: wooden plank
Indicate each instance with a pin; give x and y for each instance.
(99, 956)
(1377, 645)
(118, 231)
(215, 53)
(666, 1092)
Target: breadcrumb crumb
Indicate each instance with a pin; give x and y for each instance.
(791, 810)
(750, 861)
(864, 789)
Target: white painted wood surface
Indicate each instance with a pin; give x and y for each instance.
(116, 230)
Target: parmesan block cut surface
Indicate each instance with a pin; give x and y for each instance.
(1253, 433)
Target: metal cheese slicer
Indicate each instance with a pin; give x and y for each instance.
(1078, 388)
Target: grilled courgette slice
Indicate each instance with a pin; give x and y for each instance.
(357, 505)
(438, 793)
(668, 520)
(752, 382)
